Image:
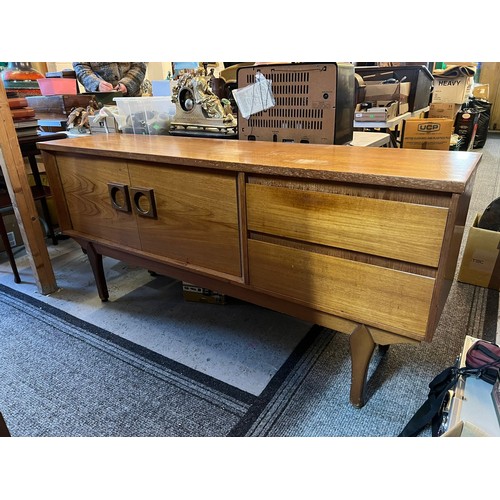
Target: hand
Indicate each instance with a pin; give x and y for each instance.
(105, 86)
(121, 88)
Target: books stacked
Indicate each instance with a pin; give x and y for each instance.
(25, 121)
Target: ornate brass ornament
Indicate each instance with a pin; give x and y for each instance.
(199, 111)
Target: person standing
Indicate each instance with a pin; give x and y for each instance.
(126, 77)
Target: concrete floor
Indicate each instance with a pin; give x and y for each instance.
(237, 343)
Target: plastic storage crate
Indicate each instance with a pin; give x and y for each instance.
(145, 115)
(57, 86)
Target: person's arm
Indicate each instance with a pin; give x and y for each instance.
(134, 77)
(88, 78)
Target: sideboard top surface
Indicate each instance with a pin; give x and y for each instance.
(404, 168)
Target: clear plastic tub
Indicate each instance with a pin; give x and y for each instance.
(145, 115)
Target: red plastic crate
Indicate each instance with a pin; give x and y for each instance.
(57, 86)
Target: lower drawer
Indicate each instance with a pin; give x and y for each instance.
(385, 298)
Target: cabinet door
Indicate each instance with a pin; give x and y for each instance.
(86, 184)
(194, 220)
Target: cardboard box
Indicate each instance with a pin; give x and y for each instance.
(12, 227)
(382, 93)
(480, 261)
(481, 91)
(454, 90)
(428, 133)
(465, 429)
(195, 293)
(379, 114)
(13, 232)
(443, 110)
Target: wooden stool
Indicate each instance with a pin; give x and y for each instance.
(8, 249)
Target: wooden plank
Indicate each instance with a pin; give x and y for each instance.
(14, 172)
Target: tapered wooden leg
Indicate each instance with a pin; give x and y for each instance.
(95, 260)
(362, 347)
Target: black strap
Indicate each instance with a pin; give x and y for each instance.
(489, 353)
(428, 413)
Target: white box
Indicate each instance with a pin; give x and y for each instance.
(454, 90)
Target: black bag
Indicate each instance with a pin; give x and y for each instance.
(490, 219)
(482, 360)
(484, 108)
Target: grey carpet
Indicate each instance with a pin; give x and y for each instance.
(60, 376)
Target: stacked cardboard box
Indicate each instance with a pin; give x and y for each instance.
(428, 133)
(443, 110)
(195, 293)
(381, 94)
(481, 258)
(455, 90)
(452, 88)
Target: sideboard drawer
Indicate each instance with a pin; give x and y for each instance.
(393, 229)
(385, 298)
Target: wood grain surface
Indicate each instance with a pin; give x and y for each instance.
(404, 168)
(396, 230)
(384, 298)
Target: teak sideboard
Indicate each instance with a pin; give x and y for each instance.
(363, 241)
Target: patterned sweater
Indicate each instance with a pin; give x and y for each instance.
(131, 74)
